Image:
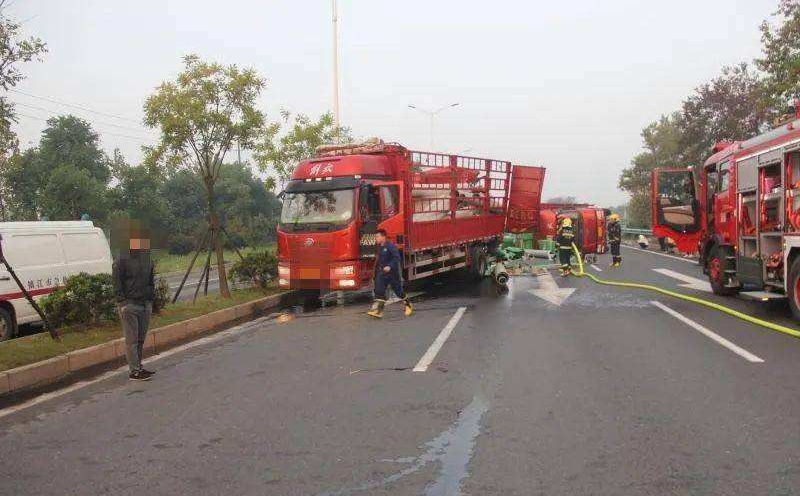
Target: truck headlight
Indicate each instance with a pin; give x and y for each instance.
(347, 283)
(283, 282)
(344, 270)
(283, 271)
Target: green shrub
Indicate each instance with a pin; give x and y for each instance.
(259, 267)
(161, 297)
(84, 299)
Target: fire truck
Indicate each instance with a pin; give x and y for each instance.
(444, 212)
(742, 215)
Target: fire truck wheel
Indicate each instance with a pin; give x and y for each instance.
(794, 288)
(716, 273)
(6, 325)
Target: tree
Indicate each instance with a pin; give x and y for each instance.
(23, 180)
(730, 107)
(137, 195)
(281, 151)
(67, 140)
(662, 148)
(72, 192)
(71, 140)
(207, 109)
(781, 49)
(13, 51)
(563, 200)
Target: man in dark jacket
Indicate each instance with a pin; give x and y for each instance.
(387, 274)
(134, 287)
(614, 231)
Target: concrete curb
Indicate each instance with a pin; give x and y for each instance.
(158, 340)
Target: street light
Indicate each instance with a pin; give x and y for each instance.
(335, 70)
(432, 114)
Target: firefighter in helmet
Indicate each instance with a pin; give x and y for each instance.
(614, 231)
(564, 238)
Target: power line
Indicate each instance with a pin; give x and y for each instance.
(74, 106)
(34, 107)
(102, 132)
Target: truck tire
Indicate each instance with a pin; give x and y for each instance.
(717, 264)
(6, 325)
(477, 267)
(793, 288)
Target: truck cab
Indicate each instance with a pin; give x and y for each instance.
(332, 207)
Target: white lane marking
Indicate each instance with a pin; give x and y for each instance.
(549, 291)
(691, 282)
(687, 260)
(595, 267)
(124, 369)
(437, 344)
(710, 334)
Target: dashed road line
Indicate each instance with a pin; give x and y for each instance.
(687, 260)
(595, 267)
(710, 334)
(437, 344)
(690, 282)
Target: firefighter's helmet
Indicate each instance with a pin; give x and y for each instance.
(613, 218)
(566, 222)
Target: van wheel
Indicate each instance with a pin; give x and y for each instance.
(794, 288)
(716, 273)
(6, 325)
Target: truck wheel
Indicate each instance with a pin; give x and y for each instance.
(6, 325)
(716, 273)
(793, 288)
(478, 266)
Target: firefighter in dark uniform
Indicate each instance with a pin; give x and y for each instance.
(564, 238)
(614, 231)
(387, 274)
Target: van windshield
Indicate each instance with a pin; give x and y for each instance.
(318, 207)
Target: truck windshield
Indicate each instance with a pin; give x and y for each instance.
(318, 207)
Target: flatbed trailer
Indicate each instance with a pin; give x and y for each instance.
(444, 212)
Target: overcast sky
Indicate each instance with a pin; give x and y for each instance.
(564, 84)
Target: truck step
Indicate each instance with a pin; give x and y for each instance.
(762, 296)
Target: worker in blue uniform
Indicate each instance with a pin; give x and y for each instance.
(387, 274)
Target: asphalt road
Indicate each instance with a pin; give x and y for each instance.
(604, 394)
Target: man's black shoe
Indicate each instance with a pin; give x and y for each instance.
(139, 375)
(149, 372)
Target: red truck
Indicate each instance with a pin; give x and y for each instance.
(742, 216)
(589, 223)
(444, 212)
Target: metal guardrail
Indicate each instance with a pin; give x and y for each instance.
(628, 230)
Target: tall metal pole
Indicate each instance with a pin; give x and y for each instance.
(432, 115)
(335, 70)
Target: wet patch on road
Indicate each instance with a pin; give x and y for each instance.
(452, 449)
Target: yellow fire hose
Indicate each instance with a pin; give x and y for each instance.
(699, 301)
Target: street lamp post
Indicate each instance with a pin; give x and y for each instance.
(335, 70)
(432, 115)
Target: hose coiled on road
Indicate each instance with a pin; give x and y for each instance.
(714, 306)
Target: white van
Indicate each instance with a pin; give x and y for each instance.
(42, 255)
